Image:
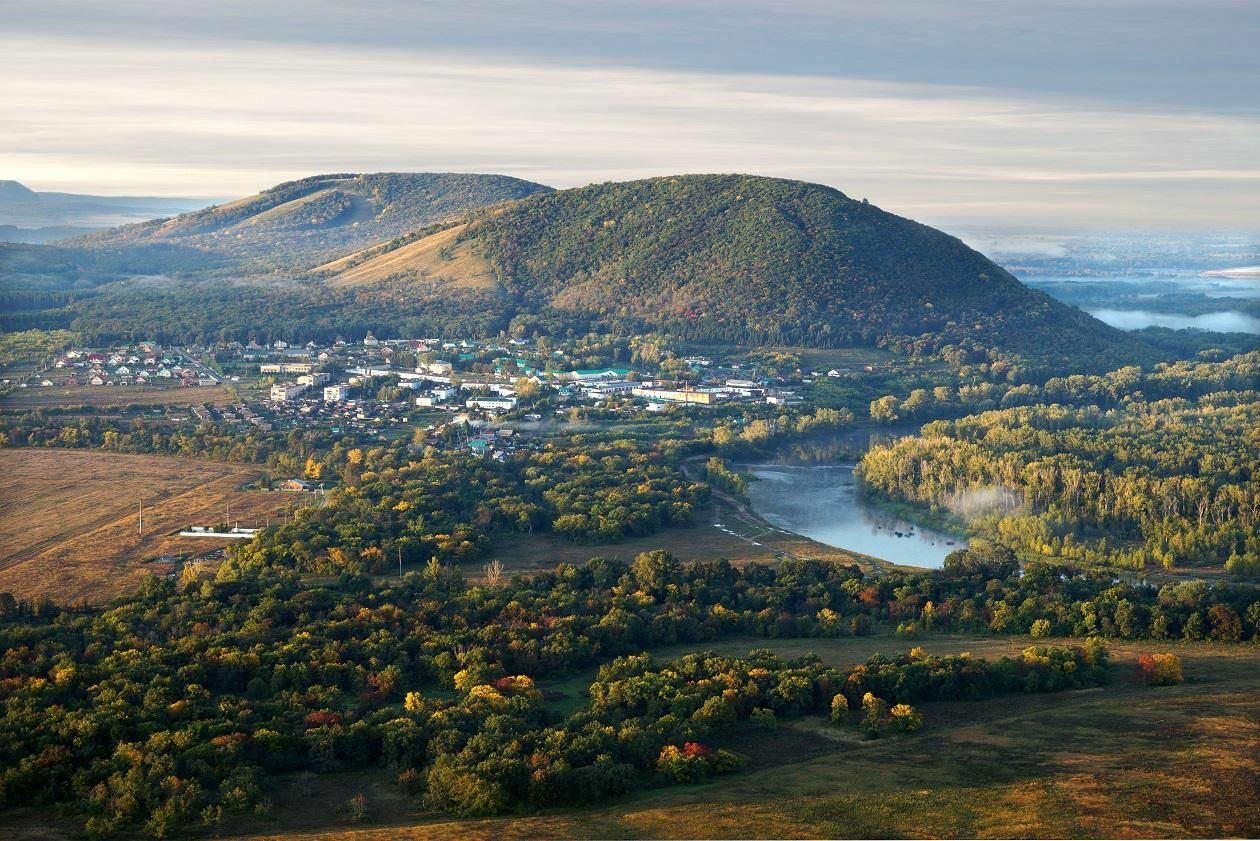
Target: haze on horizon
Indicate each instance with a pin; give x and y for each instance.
(1118, 114)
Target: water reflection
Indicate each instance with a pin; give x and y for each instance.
(817, 496)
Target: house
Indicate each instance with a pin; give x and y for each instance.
(370, 341)
(280, 344)
(494, 404)
(700, 397)
(336, 393)
(97, 380)
(606, 387)
(316, 378)
(441, 367)
(285, 368)
(297, 485)
(282, 392)
(591, 374)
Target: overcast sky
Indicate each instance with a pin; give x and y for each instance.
(1052, 114)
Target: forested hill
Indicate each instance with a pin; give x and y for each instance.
(302, 223)
(767, 261)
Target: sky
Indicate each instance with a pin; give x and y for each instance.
(1107, 114)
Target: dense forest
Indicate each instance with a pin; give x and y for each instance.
(179, 707)
(1130, 469)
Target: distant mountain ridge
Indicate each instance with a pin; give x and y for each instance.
(304, 222)
(739, 259)
(27, 215)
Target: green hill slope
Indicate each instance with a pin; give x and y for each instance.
(753, 260)
(301, 223)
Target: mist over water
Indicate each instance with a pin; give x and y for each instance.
(822, 502)
(1228, 321)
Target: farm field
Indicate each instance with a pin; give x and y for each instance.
(69, 526)
(1122, 761)
(107, 396)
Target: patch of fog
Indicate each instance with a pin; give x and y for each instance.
(1229, 321)
(980, 502)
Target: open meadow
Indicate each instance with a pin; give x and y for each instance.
(56, 397)
(1124, 761)
(69, 526)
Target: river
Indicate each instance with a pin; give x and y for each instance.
(809, 489)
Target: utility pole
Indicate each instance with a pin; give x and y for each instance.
(142, 516)
(400, 562)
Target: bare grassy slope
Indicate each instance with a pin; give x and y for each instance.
(439, 256)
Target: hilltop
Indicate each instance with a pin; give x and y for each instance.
(301, 223)
(742, 259)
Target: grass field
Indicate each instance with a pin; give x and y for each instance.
(112, 396)
(1124, 761)
(69, 526)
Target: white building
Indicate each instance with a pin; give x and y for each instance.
(285, 368)
(336, 393)
(495, 404)
(281, 392)
(435, 397)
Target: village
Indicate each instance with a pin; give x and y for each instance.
(143, 364)
(483, 396)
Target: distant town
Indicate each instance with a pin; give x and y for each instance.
(480, 395)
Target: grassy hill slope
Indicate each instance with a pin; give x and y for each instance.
(303, 223)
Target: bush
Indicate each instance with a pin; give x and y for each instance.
(1159, 669)
(357, 808)
(903, 718)
(764, 718)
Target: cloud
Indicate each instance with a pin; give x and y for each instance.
(229, 118)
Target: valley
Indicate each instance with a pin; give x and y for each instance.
(699, 506)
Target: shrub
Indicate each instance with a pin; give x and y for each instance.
(1159, 669)
(904, 718)
(764, 718)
